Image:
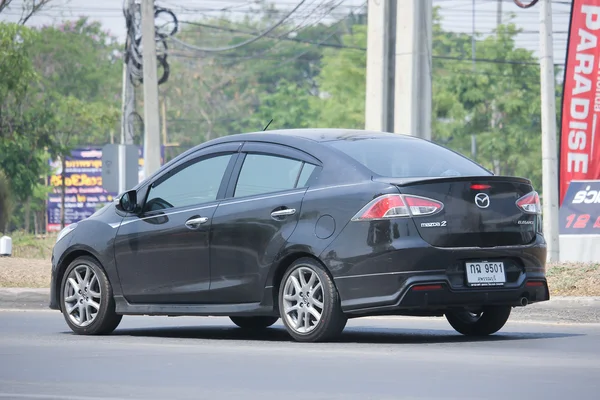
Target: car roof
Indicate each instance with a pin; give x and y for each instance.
(314, 134)
(290, 137)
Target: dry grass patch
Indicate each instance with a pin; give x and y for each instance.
(574, 279)
(32, 246)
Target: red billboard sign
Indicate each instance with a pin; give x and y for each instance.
(579, 139)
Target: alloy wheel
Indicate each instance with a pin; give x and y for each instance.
(82, 295)
(303, 300)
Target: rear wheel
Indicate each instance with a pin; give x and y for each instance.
(489, 320)
(254, 322)
(86, 297)
(309, 303)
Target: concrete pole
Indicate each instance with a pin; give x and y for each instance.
(151, 112)
(412, 105)
(499, 13)
(126, 110)
(379, 91)
(549, 148)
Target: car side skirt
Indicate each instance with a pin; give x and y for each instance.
(123, 307)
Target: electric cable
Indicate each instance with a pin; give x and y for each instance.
(245, 42)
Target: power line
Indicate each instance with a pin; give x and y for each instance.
(245, 42)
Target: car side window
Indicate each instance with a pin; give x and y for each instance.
(307, 171)
(263, 173)
(196, 183)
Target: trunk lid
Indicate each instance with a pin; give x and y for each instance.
(477, 211)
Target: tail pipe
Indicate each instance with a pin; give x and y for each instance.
(524, 301)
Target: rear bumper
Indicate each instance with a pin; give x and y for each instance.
(433, 295)
(382, 281)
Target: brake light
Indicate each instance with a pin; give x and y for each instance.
(479, 186)
(530, 203)
(398, 205)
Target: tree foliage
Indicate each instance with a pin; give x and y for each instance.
(60, 88)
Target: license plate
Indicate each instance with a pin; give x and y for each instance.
(485, 273)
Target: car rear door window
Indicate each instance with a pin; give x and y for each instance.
(262, 173)
(196, 183)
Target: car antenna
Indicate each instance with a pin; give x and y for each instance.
(268, 124)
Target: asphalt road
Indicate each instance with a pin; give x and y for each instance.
(209, 358)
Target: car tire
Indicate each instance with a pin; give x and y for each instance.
(85, 274)
(254, 322)
(491, 320)
(309, 303)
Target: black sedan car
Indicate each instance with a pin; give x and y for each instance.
(313, 226)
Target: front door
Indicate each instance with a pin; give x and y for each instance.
(162, 255)
(252, 225)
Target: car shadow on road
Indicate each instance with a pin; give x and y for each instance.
(363, 334)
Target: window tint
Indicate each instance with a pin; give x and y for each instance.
(307, 171)
(265, 174)
(405, 158)
(195, 184)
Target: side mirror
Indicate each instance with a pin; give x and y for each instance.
(128, 201)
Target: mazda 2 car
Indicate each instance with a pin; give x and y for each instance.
(312, 226)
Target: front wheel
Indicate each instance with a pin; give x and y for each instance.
(86, 297)
(309, 303)
(490, 320)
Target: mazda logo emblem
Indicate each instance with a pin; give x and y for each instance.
(482, 200)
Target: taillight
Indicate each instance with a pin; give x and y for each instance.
(398, 205)
(422, 206)
(530, 203)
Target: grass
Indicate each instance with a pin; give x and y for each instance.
(574, 279)
(32, 246)
(30, 267)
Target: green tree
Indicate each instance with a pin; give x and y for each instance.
(60, 88)
(342, 84)
(23, 113)
(496, 101)
(5, 202)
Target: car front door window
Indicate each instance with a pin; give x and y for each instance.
(196, 183)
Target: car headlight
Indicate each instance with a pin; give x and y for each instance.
(65, 231)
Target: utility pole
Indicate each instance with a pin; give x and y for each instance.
(549, 149)
(499, 14)
(412, 105)
(128, 103)
(151, 112)
(379, 112)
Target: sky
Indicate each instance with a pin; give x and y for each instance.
(457, 15)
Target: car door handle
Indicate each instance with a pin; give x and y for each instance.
(283, 213)
(195, 222)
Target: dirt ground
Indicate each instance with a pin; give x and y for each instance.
(24, 272)
(576, 279)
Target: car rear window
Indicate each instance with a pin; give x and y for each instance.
(407, 158)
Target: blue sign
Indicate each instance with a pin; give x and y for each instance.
(580, 211)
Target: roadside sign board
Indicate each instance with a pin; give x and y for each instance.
(580, 211)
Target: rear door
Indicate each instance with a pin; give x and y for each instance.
(250, 226)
